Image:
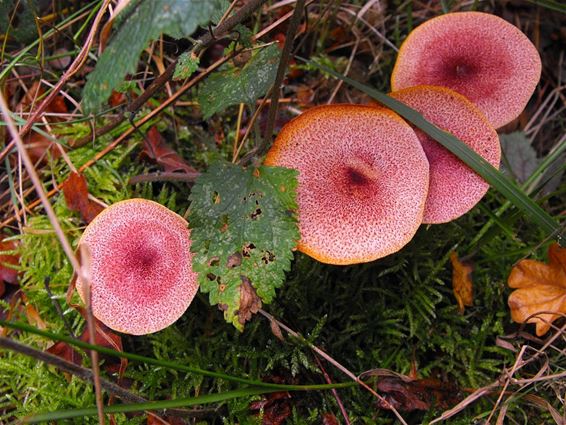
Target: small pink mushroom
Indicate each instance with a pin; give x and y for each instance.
(141, 275)
(454, 187)
(479, 55)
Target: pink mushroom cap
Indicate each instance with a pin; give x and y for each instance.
(454, 187)
(479, 55)
(363, 179)
(141, 274)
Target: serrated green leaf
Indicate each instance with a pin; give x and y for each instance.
(186, 65)
(235, 85)
(146, 21)
(243, 229)
(519, 156)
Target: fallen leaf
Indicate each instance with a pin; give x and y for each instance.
(540, 295)
(407, 394)
(7, 273)
(250, 303)
(34, 96)
(66, 352)
(275, 408)
(462, 282)
(75, 190)
(104, 337)
(155, 148)
(329, 419)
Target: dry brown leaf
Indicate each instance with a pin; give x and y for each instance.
(155, 148)
(462, 282)
(75, 190)
(7, 273)
(250, 303)
(540, 295)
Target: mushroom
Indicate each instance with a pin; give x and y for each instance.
(140, 266)
(362, 184)
(454, 188)
(479, 55)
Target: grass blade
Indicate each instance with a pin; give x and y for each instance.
(170, 364)
(489, 173)
(152, 405)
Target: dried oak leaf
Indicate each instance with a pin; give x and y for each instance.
(462, 282)
(75, 190)
(540, 295)
(155, 148)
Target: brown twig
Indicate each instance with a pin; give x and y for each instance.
(165, 176)
(281, 71)
(334, 391)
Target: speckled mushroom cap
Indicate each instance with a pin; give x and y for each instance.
(479, 55)
(141, 275)
(363, 179)
(454, 187)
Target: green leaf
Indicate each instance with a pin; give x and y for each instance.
(489, 173)
(519, 156)
(146, 21)
(17, 19)
(235, 85)
(186, 65)
(244, 227)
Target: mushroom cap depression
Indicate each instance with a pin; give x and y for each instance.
(454, 188)
(363, 179)
(479, 55)
(141, 274)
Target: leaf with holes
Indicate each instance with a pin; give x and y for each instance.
(244, 228)
(145, 20)
(235, 85)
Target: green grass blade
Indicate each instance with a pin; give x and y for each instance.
(489, 173)
(558, 6)
(170, 364)
(152, 405)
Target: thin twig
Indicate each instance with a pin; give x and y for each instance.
(334, 391)
(58, 308)
(165, 176)
(281, 71)
(333, 362)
